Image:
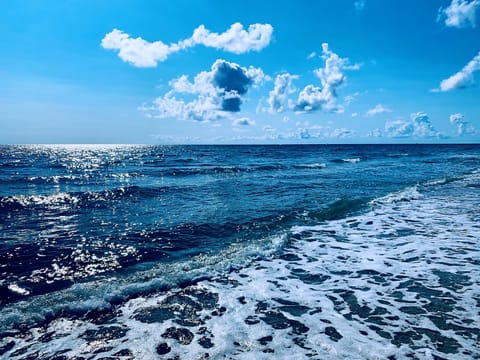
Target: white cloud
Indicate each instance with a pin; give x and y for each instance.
(376, 133)
(378, 109)
(460, 13)
(243, 121)
(137, 51)
(142, 53)
(359, 5)
(419, 126)
(283, 87)
(350, 98)
(331, 77)
(268, 129)
(304, 134)
(341, 133)
(217, 93)
(422, 125)
(399, 128)
(203, 108)
(456, 118)
(463, 127)
(462, 79)
(354, 114)
(236, 39)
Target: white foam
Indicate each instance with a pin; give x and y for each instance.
(17, 289)
(314, 166)
(99, 293)
(352, 161)
(410, 193)
(358, 283)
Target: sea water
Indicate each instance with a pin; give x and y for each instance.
(240, 252)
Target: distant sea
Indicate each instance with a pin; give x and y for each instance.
(240, 252)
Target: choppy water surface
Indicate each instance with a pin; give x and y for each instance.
(240, 252)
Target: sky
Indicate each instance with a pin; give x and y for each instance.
(211, 72)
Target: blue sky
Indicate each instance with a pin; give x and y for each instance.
(365, 71)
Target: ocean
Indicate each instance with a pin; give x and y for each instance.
(240, 252)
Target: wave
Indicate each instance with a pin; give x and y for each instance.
(228, 170)
(397, 155)
(464, 158)
(102, 294)
(67, 179)
(75, 199)
(311, 166)
(350, 160)
(339, 209)
(84, 297)
(219, 170)
(407, 194)
(343, 208)
(17, 202)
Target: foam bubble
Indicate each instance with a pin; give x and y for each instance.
(17, 289)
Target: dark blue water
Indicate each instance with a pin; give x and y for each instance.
(98, 228)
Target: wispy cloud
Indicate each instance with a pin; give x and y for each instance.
(341, 133)
(462, 79)
(463, 127)
(350, 98)
(304, 131)
(142, 53)
(359, 4)
(460, 13)
(217, 93)
(378, 109)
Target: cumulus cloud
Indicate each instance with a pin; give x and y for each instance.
(243, 121)
(217, 93)
(456, 118)
(422, 125)
(283, 87)
(331, 77)
(142, 53)
(463, 127)
(378, 109)
(137, 51)
(418, 126)
(399, 128)
(236, 39)
(460, 13)
(462, 79)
